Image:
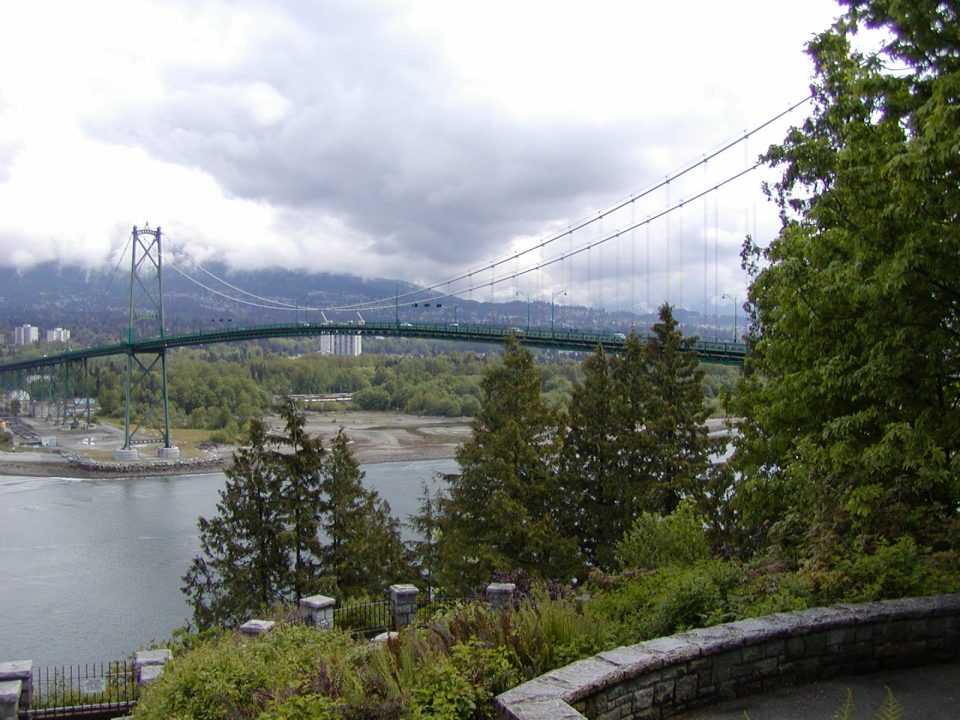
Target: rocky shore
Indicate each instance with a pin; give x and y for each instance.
(66, 463)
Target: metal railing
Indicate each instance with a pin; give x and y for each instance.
(364, 619)
(89, 691)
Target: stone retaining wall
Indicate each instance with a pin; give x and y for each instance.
(83, 464)
(667, 676)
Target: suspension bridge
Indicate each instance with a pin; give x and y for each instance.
(568, 262)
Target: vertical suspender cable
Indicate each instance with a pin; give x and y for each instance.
(633, 264)
(706, 200)
(600, 263)
(716, 264)
(667, 274)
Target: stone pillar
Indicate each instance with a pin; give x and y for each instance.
(500, 595)
(317, 610)
(21, 670)
(148, 665)
(403, 604)
(10, 699)
(257, 627)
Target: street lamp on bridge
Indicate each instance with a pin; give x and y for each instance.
(553, 300)
(734, 298)
(521, 292)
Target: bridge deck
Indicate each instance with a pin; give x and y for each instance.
(708, 351)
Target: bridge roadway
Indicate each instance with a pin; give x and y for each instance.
(708, 351)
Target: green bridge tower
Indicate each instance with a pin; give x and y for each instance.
(146, 321)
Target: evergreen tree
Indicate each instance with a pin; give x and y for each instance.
(851, 401)
(501, 512)
(632, 392)
(636, 438)
(427, 524)
(265, 546)
(675, 423)
(299, 459)
(243, 565)
(365, 553)
(591, 501)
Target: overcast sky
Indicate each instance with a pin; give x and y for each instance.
(408, 139)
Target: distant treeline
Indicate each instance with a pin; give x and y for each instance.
(217, 388)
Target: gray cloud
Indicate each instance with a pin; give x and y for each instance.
(353, 118)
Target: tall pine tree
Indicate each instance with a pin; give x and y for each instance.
(243, 566)
(591, 500)
(364, 554)
(292, 520)
(636, 439)
(299, 459)
(501, 513)
(675, 426)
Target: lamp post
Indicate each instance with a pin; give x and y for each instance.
(521, 292)
(734, 298)
(553, 300)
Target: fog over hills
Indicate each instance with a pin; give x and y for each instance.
(50, 295)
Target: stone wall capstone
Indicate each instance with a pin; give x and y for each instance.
(663, 677)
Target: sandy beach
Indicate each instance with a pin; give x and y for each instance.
(376, 437)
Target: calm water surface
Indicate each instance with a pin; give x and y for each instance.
(90, 569)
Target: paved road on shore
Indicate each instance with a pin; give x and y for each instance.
(931, 692)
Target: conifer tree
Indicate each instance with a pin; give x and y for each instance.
(675, 425)
(243, 565)
(636, 439)
(284, 496)
(427, 524)
(299, 460)
(501, 512)
(589, 467)
(364, 553)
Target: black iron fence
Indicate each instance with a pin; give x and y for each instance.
(90, 691)
(365, 619)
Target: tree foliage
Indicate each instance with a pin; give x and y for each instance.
(852, 401)
(292, 520)
(364, 554)
(243, 565)
(635, 439)
(500, 515)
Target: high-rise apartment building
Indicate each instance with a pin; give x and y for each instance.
(26, 335)
(58, 335)
(341, 344)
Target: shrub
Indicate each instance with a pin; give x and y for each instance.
(655, 541)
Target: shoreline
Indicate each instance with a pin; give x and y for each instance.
(46, 465)
(375, 438)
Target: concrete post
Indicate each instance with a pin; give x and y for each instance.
(21, 670)
(148, 665)
(317, 611)
(500, 595)
(10, 699)
(257, 627)
(403, 604)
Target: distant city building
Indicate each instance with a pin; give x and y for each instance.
(58, 335)
(341, 344)
(26, 335)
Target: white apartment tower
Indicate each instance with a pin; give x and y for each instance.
(58, 335)
(341, 344)
(26, 335)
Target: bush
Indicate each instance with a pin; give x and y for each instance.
(668, 600)
(655, 541)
